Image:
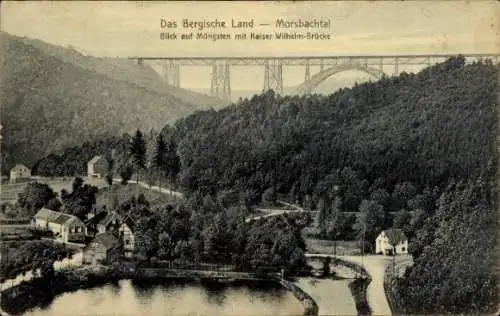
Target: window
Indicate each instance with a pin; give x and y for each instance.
(127, 242)
(403, 249)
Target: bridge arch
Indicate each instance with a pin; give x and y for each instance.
(315, 80)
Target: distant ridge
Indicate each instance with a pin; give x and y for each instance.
(126, 70)
(53, 97)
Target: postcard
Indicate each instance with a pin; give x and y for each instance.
(249, 158)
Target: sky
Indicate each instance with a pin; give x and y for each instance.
(357, 27)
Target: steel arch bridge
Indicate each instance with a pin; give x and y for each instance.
(309, 85)
(375, 65)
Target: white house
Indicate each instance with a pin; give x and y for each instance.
(19, 171)
(96, 167)
(65, 227)
(127, 235)
(391, 241)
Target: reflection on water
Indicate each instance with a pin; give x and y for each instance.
(129, 298)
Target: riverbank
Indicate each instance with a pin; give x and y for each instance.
(310, 306)
(39, 293)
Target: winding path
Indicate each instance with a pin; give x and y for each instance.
(153, 187)
(270, 212)
(376, 266)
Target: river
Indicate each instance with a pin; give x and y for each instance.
(130, 298)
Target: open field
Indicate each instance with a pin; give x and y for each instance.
(121, 193)
(12, 233)
(344, 248)
(9, 192)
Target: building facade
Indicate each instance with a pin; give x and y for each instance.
(105, 248)
(127, 235)
(96, 167)
(64, 227)
(111, 222)
(391, 242)
(19, 171)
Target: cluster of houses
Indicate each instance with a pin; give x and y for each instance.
(96, 168)
(107, 235)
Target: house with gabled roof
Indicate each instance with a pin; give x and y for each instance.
(19, 171)
(93, 221)
(110, 222)
(65, 227)
(126, 232)
(105, 248)
(96, 167)
(391, 242)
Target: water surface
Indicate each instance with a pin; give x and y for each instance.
(130, 298)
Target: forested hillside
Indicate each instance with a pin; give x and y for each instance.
(416, 151)
(422, 128)
(125, 70)
(52, 97)
(422, 147)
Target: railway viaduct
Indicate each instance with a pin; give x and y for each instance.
(376, 66)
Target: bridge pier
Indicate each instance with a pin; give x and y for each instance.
(396, 66)
(171, 73)
(308, 75)
(273, 76)
(221, 85)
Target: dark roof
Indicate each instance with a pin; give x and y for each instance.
(97, 218)
(108, 218)
(18, 166)
(108, 240)
(130, 223)
(94, 159)
(395, 235)
(55, 217)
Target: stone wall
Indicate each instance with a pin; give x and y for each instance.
(310, 306)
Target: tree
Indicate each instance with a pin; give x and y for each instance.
(402, 220)
(268, 196)
(172, 161)
(110, 165)
(160, 155)
(334, 222)
(54, 204)
(370, 222)
(34, 196)
(326, 266)
(321, 220)
(77, 184)
(402, 193)
(47, 269)
(138, 152)
(166, 246)
(126, 174)
(81, 200)
(146, 237)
